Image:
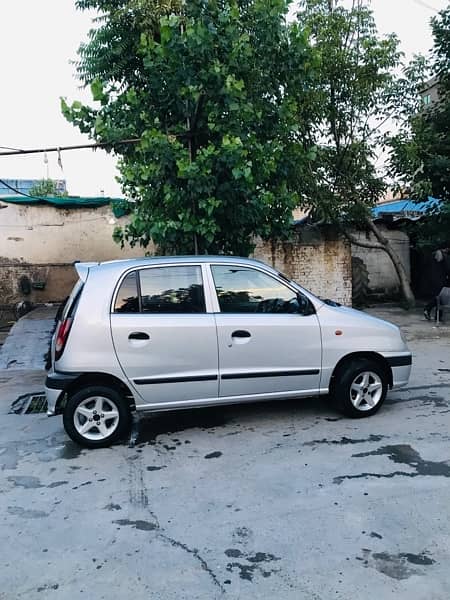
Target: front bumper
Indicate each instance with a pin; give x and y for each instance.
(56, 386)
(401, 365)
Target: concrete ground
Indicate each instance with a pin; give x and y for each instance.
(283, 500)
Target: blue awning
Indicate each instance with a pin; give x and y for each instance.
(405, 209)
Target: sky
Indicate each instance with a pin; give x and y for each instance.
(38, 41)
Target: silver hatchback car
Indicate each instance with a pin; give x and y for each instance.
(158, 334)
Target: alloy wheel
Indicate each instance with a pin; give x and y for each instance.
(96, 418)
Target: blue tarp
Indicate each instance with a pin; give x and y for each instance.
(408, 209)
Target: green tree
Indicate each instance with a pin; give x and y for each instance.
(357, 94)
(216, 93)
(420, 152)
(46, 187)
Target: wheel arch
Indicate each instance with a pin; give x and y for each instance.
(345, 360)
(87, 379)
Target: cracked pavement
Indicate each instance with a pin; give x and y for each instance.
(283, 500)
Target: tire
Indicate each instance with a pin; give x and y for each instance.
(92, 402)
(358, 376)
(360, 282)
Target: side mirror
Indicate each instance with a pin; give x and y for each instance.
(305, 307)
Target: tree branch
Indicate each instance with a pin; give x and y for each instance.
(354, 240)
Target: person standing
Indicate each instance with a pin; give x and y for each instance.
(441, 279)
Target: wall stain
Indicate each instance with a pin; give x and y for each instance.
(401, 454)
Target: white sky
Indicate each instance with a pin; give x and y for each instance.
(37, 41)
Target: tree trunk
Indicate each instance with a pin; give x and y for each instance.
(385, 245)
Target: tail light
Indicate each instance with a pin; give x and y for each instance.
(61, 337)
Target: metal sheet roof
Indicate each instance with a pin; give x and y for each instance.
(405, 209)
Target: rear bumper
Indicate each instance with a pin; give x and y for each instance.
(56, 386)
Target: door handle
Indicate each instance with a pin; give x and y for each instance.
(240, 333)
(138, 335)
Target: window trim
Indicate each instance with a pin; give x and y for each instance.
(261, 270)
(138, 268)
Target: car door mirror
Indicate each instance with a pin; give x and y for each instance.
(305, 306)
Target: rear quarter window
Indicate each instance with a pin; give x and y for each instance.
(127, 299)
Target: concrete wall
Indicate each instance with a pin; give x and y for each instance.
(42, 242)
(382, 275)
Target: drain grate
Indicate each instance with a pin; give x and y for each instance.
(30, 404)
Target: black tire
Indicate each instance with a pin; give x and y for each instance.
(360, 282)
(351, 374)
(111, 397)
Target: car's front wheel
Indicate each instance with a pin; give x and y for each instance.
(96, 416)
(360, 388)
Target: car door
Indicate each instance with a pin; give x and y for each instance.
(165, 340)
(268, 335)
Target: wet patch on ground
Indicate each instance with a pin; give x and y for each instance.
(26, 513)
(70, 450)
(401, 454)
(434, 400)
(139, 524)
(48, 587)
(112, 506)
(213, 455)
(397, 566)
(25, 481)
(250, 563)
(45, 450)
(149, 428)
(344, 441)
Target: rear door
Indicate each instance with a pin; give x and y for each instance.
(268, 335)
(165, 340)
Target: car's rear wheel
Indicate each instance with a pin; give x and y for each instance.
(96, 416)
(360, 388)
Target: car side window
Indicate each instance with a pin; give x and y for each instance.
(247, 290)
(127, 299)
(174, 289)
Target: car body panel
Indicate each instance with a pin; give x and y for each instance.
(282, 354)
(178, 361)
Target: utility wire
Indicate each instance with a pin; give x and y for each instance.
(13, 189)
(16, 152)
(9, 148)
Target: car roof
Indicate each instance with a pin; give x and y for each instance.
(122, 265)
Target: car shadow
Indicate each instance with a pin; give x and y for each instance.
(149, 426)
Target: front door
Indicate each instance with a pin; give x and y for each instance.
(268, 335)
(165, 341)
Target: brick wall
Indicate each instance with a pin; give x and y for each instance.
(317, 259)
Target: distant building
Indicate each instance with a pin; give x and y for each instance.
(430, 92)
(24, 186)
